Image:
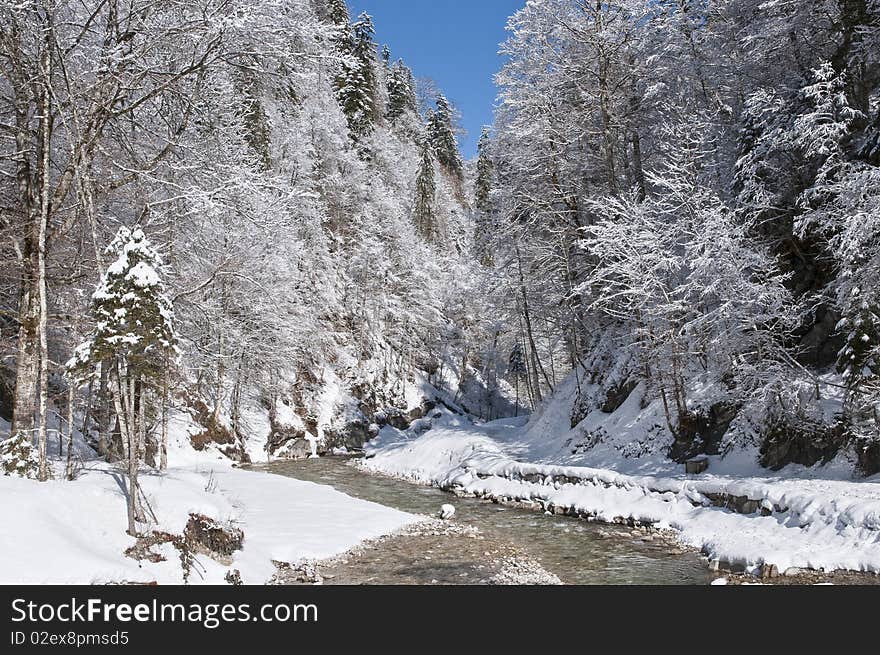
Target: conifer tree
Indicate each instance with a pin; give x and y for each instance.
(516, 366)
(426, 188)
(356, 84)
(485, 170)
(133, 338)
(858, 360)
(482, 200)
(442, 136)
(401, 94)
(835, 206)
(338, 17)
(337, 13)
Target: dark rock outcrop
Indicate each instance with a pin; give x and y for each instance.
(868, 456)
(702, 433)
(617, 395)
(801, 442)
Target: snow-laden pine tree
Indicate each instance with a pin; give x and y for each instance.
(134, 340)
(401, 94)
(336, 13)
(483, 221)
(424, 207)
(441, 134)
(356, 83)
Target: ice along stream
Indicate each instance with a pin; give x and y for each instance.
(576, 551)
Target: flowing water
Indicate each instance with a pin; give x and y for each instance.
(577, 551)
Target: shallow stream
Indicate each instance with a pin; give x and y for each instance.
(576, 551)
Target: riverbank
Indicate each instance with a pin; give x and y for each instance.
(227, 523)
(61, 532)
(759, 525)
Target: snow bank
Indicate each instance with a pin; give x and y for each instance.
(794, 522)
(62, 532)
(288, 520)
(74, 532)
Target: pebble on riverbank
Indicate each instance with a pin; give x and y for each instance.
(523, 571)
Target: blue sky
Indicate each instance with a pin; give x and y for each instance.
(455, 42)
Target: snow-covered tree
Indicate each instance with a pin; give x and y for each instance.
(685, 275)
(401, 94)
(424, 212)
(483, 223)
(441, 134)
(356, 83)
(337, 12)
(134, 339)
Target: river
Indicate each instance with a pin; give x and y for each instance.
(576, 551)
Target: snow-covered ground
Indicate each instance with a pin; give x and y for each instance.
(806, 518)
(74, 532)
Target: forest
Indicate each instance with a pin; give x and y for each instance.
(210, 203)
(252, 218)
(691, 190)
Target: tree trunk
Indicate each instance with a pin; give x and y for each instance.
(71, 391)
(221, 369)
(638, 166)
(27, 363)
(535, 362)
(87, 412)
(27, 357)
(516, 406)
(163, 446)
(666, 413)
(604, 106)
(45, 142)
(549, 336)
(123, 401)
(236, 400)
(103, 410)
(141, 421)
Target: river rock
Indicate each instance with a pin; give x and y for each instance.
(769, 571)
(696, 465)
(297, 448)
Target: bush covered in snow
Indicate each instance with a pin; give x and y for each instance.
(18, 457)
